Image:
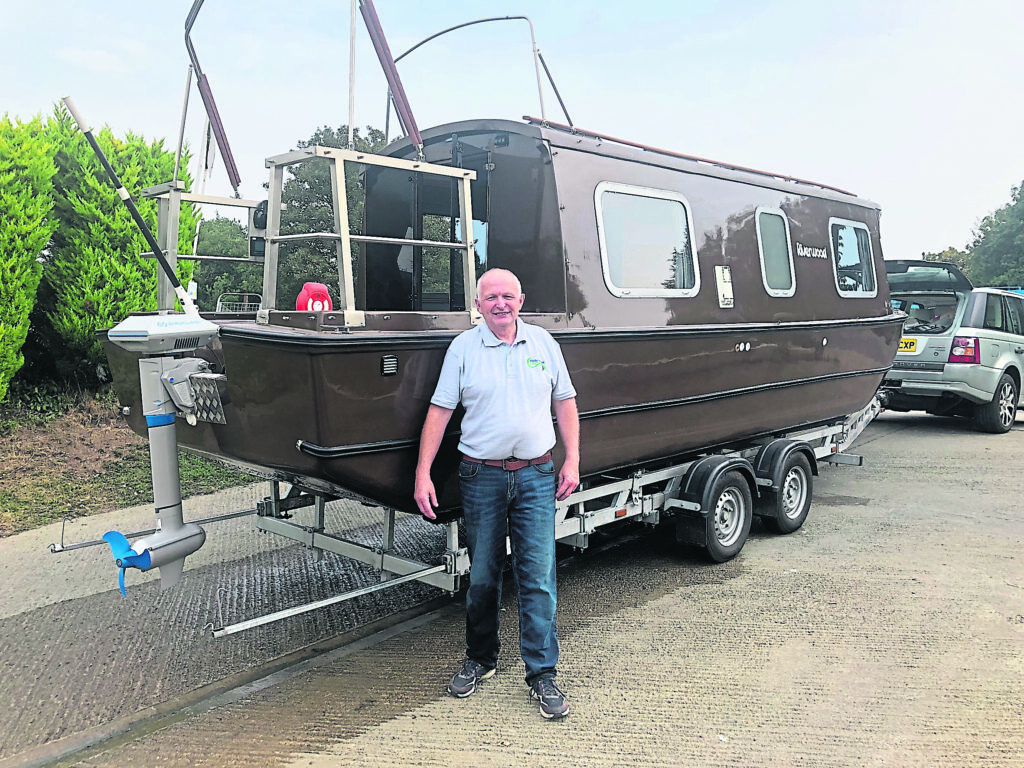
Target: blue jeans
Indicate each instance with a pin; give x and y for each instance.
(521, 504)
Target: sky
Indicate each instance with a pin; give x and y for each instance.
(917, 105)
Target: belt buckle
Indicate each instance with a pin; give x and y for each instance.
(505, 463)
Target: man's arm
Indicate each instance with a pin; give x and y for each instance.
(430, 441)
(569, 430)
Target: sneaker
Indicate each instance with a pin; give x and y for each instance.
(465, 680)
(553, 703)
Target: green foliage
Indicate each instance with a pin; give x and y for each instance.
(997, 253)
(952, 256)
(307, 197)
(36, 403)
(26, 223)
(93, 274)
(224, 237)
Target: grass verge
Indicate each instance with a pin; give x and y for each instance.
(33, 502)
(82, 459)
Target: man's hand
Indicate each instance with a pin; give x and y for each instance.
(568, 480)
(430, 441)
(569, 428)
(426, 497)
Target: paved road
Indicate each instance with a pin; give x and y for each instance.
(889, 630)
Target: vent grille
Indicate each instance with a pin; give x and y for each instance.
(187, 342)
(388, 365)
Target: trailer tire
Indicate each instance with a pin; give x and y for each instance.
(730, 510)
(788, 507)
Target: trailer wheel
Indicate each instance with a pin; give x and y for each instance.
(729, 515)
(790, 504)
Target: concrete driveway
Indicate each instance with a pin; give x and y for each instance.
(889, 630)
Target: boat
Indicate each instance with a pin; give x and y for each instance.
(725, 328)
(697, 304)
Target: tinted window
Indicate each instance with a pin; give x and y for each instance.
(851, 258)
(776, 256)
(1015, 314)
(926, 313)
(994, 320)
(645, 238)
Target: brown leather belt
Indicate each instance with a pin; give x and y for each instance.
(511, 464)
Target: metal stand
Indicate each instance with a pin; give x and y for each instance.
(274, 516)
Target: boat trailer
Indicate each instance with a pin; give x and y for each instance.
(710, 497)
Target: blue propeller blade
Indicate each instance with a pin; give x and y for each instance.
(119, 544)
(125, 556)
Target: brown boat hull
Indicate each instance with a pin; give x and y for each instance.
(318, 412)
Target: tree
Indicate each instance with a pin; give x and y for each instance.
(997, 253)
(950, 255)
(26, 224)
(224, 237)
(93, 274)
(309, 208)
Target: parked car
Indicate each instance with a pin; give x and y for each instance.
(962, 349)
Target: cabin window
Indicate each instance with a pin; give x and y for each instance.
(646, 238)
(776, 254)
(851, 258)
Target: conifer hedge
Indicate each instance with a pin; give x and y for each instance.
(26, 223)
(94, 274)
(70, 255)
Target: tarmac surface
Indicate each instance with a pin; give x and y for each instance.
(888, 631)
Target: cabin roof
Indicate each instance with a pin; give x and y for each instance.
(588, 141)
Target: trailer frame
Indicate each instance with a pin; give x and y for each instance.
(679, 491)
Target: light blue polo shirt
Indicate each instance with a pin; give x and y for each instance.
(506, 390)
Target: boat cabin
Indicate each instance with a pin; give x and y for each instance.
(601, 234)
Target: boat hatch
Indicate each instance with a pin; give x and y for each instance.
(414, 251)
(401, 233)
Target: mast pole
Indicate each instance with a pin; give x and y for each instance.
(181, 129)
(352, 75)
(211, 106)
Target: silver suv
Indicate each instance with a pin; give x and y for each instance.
(962, 350)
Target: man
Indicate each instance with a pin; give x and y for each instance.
(507, 374)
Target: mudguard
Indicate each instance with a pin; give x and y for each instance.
(701, 477)
(772, 457)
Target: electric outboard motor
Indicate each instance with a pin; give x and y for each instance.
(167, 389)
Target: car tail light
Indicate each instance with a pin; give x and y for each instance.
(965, 349)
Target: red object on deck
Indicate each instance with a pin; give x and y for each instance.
(313, 298)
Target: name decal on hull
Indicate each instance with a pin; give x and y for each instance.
(809, 252)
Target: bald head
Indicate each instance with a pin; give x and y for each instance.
(499, 297)
(495, 273)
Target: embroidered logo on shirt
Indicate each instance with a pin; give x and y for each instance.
(535, 363)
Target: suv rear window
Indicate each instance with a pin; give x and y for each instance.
(927, 313)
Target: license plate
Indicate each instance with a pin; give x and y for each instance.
(908, 345)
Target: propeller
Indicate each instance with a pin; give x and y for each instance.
(125, 556)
